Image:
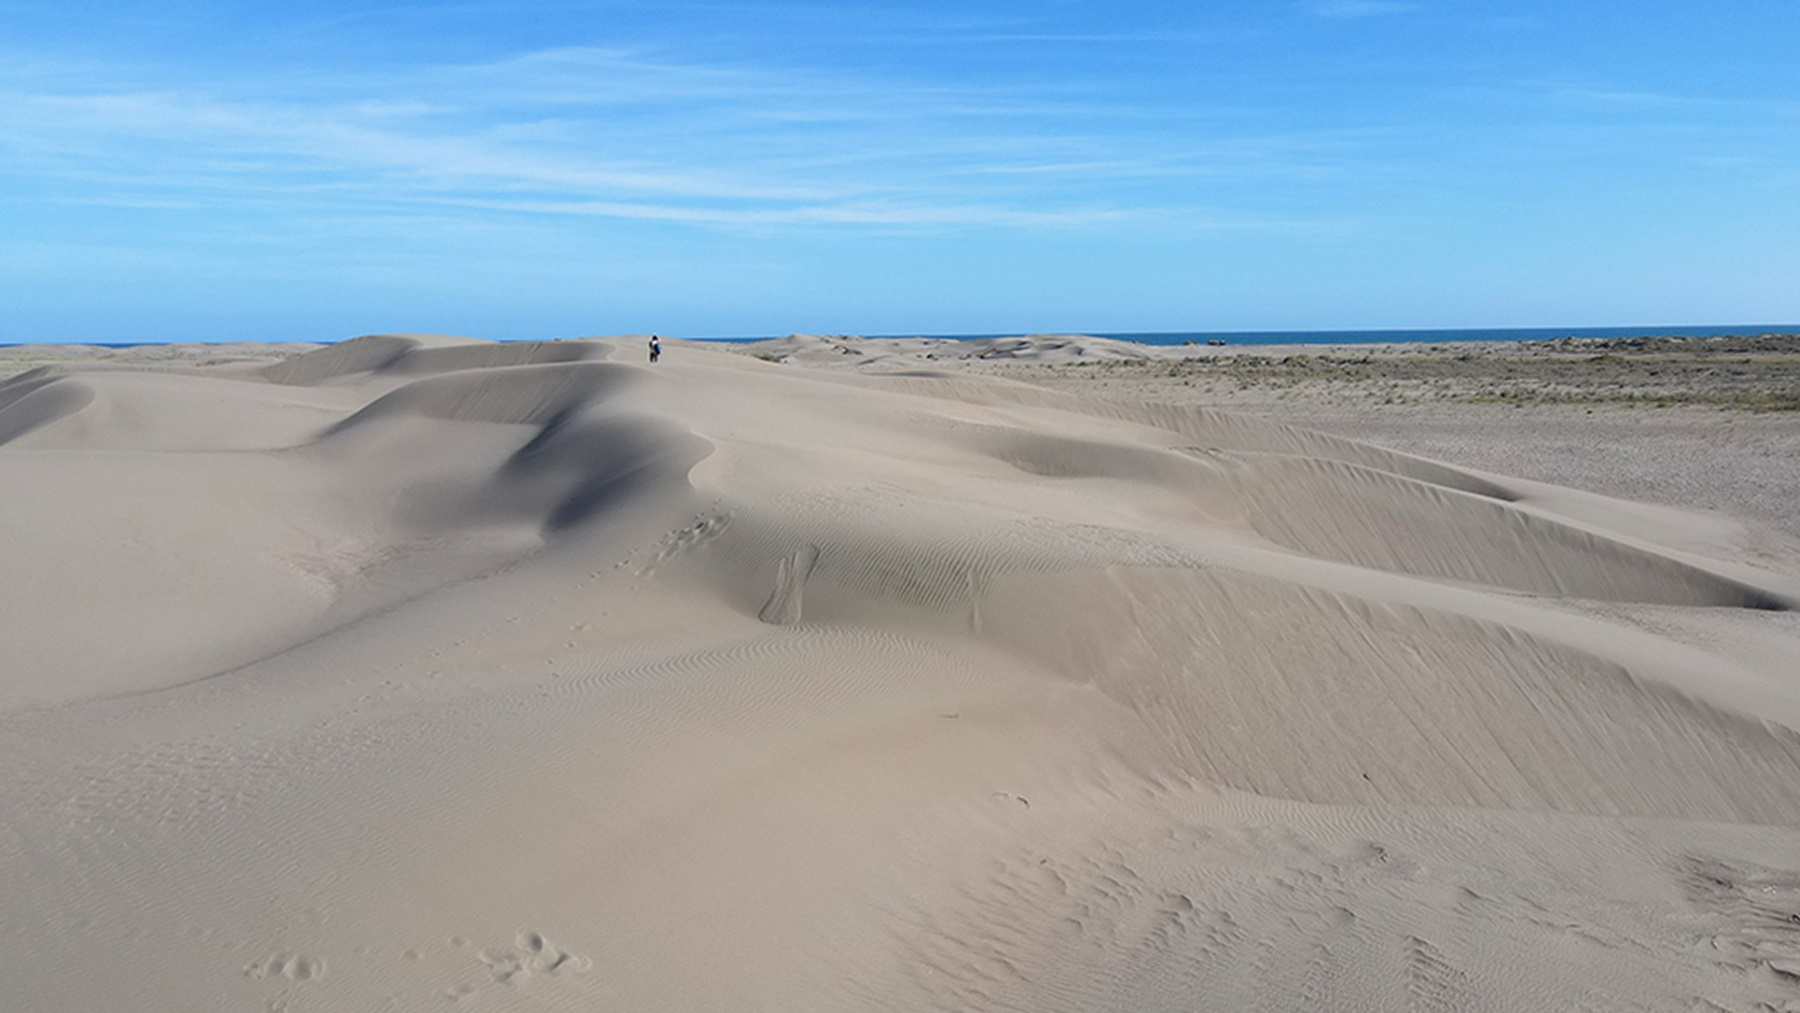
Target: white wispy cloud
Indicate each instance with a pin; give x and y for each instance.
(1614, 96)
(635, 134)
(1362, 8)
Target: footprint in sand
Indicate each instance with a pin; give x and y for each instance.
(293, 968)
(532, 953)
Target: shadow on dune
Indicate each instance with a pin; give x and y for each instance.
(37, 398)
(585, 457)
(596, 463)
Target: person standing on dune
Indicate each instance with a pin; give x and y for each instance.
(655, 348)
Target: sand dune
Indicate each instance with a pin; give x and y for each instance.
(37, 398)
(419, 673)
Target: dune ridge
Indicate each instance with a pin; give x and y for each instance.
(38, 398)
(424, 670)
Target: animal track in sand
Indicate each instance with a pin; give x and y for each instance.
(293, 968)
(532, 953)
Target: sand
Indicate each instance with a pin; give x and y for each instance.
(422, 673)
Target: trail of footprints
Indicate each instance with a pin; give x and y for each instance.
(705, 529)
(531, 955)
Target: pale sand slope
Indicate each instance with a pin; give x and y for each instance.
(422, 674)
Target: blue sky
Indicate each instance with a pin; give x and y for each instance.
(223, 170)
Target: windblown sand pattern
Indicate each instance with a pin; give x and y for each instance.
(424, 673)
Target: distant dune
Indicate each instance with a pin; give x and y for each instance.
(417, 672)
